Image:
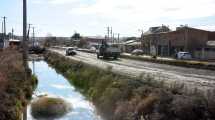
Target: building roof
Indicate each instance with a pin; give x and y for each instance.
(134, 44)
(14, 40)
(130, 41)
(158, 29)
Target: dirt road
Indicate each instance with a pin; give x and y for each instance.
(193, 78)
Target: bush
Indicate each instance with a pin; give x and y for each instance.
(47, 108)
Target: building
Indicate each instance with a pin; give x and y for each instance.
(13, 43)
(151, 40)
(132, 45)
(184, 38)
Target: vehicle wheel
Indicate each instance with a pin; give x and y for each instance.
(115, 57)
(98, 56)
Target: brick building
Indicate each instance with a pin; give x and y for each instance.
(182, 39)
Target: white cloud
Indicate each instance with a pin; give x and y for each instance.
(127, 16)
(150, 9)
(62, 1)
(133, 13)
(207, 27)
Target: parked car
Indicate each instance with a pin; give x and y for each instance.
(184, 55)
(137, 52)
(70, 51)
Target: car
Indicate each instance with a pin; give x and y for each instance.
(137, 52)
(184, 55)
(70, 51)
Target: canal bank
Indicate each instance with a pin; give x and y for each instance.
(15, 91)
(122, 98)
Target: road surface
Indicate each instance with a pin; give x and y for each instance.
(191, 77)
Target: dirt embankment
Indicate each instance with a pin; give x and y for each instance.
(121, 98)
(182, 63)
(15, 91)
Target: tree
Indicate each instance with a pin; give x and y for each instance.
(50, 41)
(76, 36)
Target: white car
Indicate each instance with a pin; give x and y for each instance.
(184, 55)
(137, 52)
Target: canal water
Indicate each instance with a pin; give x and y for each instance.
(55, 85)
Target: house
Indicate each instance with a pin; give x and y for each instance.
(13, 43)
(184, 38)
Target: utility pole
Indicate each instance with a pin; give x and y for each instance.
(33, 37)
(25, 42)
(113, 38)
(108, 30)
(12, 36)
(111, 32)
(118, 38)
(25, 48)
(2, 27)
(4, 24)
(29, 27)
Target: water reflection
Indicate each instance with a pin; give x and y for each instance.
(56, 85)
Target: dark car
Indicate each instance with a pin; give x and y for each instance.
(70, 51)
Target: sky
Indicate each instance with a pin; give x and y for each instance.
(92, 17)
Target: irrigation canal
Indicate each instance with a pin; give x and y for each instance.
(54, 84)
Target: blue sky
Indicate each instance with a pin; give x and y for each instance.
(91, 17)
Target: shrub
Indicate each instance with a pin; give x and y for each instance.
(47, 108)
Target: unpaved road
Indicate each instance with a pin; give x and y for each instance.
(193, 78)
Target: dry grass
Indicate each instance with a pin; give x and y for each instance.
(47, 107)
(120, 98)
(14, 90)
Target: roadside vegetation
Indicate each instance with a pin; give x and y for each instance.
(15, 92)
(120, 98)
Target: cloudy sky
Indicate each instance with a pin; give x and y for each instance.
(91, 17)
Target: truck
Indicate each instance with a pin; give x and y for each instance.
(108, 51)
